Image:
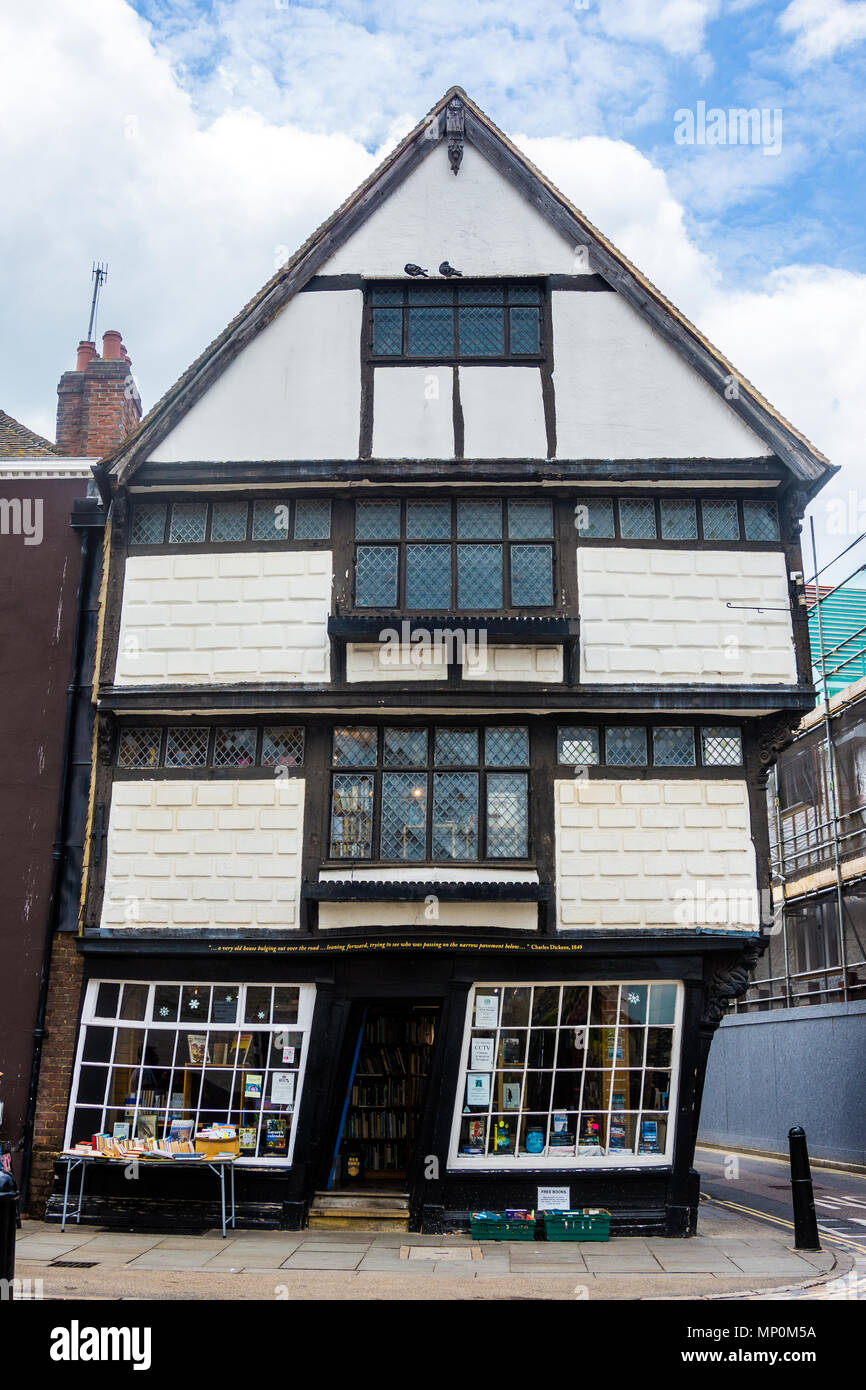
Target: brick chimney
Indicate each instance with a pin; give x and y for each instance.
(97, 403)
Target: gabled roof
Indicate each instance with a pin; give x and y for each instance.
(810, 468)
(17, 441)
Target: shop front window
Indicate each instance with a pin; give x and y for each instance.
(150, 1055)
(567, 1076)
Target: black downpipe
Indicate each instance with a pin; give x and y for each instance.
(58, 856)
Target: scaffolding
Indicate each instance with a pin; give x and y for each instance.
(817, 811)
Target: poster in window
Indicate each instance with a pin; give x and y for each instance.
(482, 1054)
(283, 1088)
(511, 1095)
(486, 1010)
(197, 1047)
(253, 1085)
(478, 1088)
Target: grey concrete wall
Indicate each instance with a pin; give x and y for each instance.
(787, 1067)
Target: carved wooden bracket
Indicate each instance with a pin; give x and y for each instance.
(774, 734)
(455, 130)
(105, 738)
(793, 506)
(728, 983)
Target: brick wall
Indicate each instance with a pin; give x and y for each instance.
(96, 408)
(243, 616)
(673, 854)
(58, 1057)
(204, 854)
(662, 615)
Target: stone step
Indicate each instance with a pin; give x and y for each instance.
(357, 1220)
(347, 1202)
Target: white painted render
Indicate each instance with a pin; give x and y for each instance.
(656, 615)
(371, 661)
(655, 853)
(542, 664)
(503, 412)
(622, 392)
(451, 916)
(205, 854)
(476, 220)
(294, 391)
(192, 619)
(413, 413)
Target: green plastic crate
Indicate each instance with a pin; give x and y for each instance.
(576, 1225)
(497, 1226)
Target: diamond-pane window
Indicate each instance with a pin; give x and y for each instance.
(593, 518)
(529, 521)
(761, 521)
(355, 747)
(721, 747)
(430, 292)
(720, 520)
(625, 747)
(352, 816)
(506, 746)
(139, 748)
(377, 521)
(484, 292)
(456, 747)
(404, 815)
(188, 523)
(383, 295)
(506, 815)
(431, 332)
(229, 521)
(479, 576)
(523, 293)
(271, 521)
(428, 521)
(234, 748)
(455, 815)
(673, 747)
(578, 746)
(679, 519)
(482, 332)
(405, 747)
(531, 576)
(428, 576)
(479, 521)
(387, 332)
(186, 747)
(148, 523)
(312, 519)
(525, 331)
(282, 746)
(637, 518)
(376, 576)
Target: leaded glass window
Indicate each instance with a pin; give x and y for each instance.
(450, 556)
(229, 521)
(186, 747)
(234, 748)
(271, 520)
(578, 746)
(637, 518)
(679, 519)
(593, 518)
(312, 519)
(720, 519)
(673, 747)
(625, 747)
(466, 320)
(139, 748)
(188, 523)
(761, 521)
(429, 793)
(721, 747)
(282, 747)
(148, 523)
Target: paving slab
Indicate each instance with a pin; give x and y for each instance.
(171, 1259)
(323, 1259)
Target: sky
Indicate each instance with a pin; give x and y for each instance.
(194, 144)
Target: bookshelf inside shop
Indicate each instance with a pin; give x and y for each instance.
(387, 1090)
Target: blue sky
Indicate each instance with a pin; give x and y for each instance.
(193, 144)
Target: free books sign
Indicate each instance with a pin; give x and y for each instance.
(554, 1199)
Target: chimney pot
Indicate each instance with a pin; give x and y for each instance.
(86, 353)
(112, 344)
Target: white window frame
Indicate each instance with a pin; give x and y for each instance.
(488, 1163)
(89, 1018)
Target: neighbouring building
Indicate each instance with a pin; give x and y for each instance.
(792, 1050)
(47, 613)
(450, 624)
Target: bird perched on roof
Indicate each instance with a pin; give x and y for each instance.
(448, 270)
(411, 269)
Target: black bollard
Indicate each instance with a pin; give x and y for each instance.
(8, 1213)
(805, 1220)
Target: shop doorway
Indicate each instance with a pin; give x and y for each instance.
(382, 1102)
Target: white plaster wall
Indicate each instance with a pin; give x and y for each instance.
(451, 916)
(217, 618)
(622, 392)
(541, 664)
(655, 853)
(205, 854)
(413, 412)
(477, 221)
(369, 661)
(293, 392)
(503, 412)
(661, 616)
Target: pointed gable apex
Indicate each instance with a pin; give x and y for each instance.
(458, 122)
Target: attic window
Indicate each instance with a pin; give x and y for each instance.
(443, 321)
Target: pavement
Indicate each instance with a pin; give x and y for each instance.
(736, 1255)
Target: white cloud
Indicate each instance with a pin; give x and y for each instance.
(677, 25)
(823, 27)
